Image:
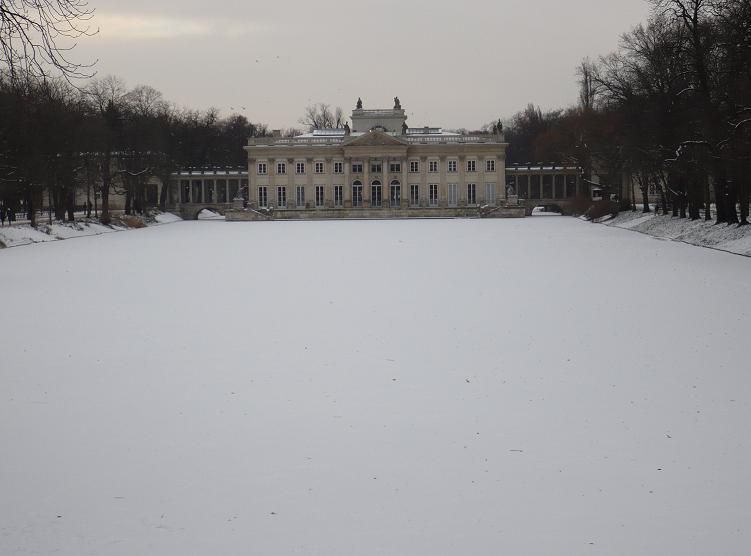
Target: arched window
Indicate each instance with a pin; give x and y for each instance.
(395, 194)
(376, 193)
(357, 193)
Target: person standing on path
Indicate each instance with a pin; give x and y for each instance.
(2, 215)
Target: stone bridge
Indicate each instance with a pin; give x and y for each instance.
(190, 211)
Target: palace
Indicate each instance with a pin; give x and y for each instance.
(377, 168)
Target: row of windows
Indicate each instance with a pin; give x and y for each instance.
(376, 194)
(376, 167)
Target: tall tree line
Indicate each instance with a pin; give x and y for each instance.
(59, 139)
(670, 110)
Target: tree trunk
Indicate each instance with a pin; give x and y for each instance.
(106, 181)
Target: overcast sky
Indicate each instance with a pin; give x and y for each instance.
(452, 64)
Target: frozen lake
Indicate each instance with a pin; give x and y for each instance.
(536, 386)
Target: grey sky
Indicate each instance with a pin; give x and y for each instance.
(453, 64)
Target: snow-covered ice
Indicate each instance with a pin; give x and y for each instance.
(438, 387)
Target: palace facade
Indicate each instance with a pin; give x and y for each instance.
(380, 167)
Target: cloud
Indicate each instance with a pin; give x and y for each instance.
(118, 26)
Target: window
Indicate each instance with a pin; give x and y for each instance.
(395, 197)
(375, 167)
(433, 166)
(261, 169)
(319, 167)
(471, 166)
(263, 197)
(338, 195)
(452, 166)
(376, 194)
(395, 167)
(357, 167)
(281, 196)
(197, 196)
(433, 191)
(357, 194)
(471, 194)
(300, 196)
(490, 193)
(209, 191)
(414, 195)
(338, 167)
(452, 194)
(281, 168)
(414, 166)
(490, 165)
(300, 168)
(319, 195)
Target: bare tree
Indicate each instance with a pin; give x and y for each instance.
(37, 35)
(321, 116)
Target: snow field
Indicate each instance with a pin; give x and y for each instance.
(380, 387)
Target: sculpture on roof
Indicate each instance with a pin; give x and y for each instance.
(347, 130)
(397, 104)
(405, 127)
(359, 103)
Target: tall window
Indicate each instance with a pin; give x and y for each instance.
(414, 166)
(300, 196)
(471, 194)
(261, 169)
(433, 194)
(319, 195)
(263, 197)
(357, 194)
(300, 168)
(319, 167)
(357, 167)
(433, 166)
(395, 197)
(452, 166)
(414, 194)
(395, 167)
(338, 167)
(452, 194)
(471, 166)
(375, 167)
(490, 193)
(338, 195)
(281, 196)
(376, 194)
(490, 165)
(281, 168)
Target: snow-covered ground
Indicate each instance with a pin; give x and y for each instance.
(24, 234)
(436, 387)
(698, 232)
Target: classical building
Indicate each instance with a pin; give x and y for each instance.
(380, 167)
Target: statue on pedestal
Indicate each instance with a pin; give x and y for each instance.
(347, 129)
(405, 127)
(359, 103)
(397, 104)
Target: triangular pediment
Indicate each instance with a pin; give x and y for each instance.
(375, 139)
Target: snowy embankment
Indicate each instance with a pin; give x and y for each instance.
(24, 234)
(370, 388)
(731, 238)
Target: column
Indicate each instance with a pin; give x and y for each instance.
(461, 186)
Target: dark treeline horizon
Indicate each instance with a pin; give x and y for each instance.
(670, 109)
(102, 137)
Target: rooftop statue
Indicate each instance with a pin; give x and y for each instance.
(347, 130)
(405, 127)
(397, 104)
(359, 103)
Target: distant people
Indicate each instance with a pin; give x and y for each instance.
(2, 215)
(11, 216)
